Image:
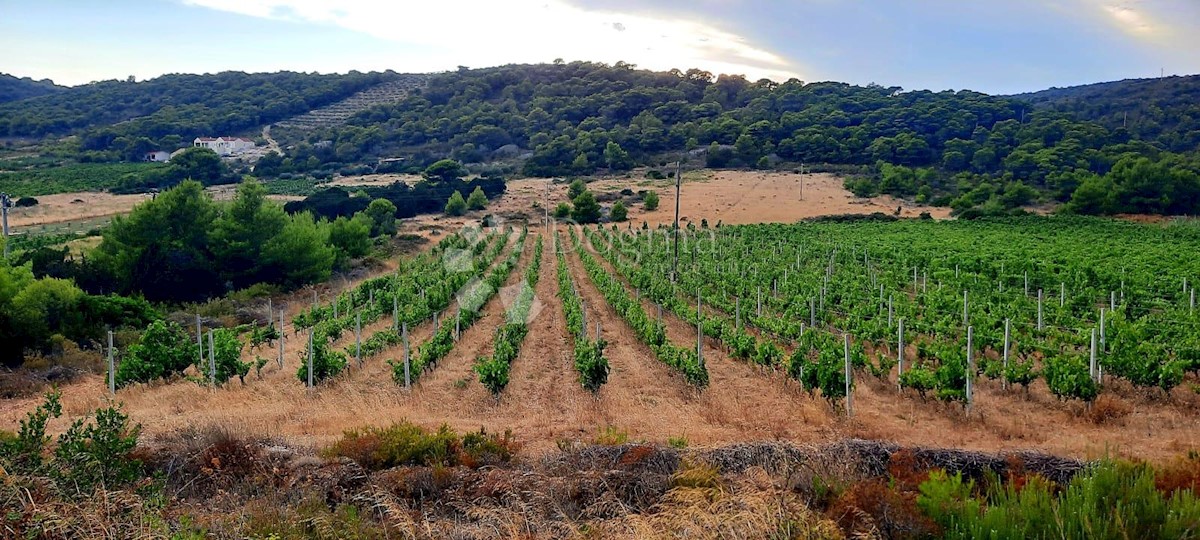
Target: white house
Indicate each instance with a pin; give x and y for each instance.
(158, 156)
(224, 146)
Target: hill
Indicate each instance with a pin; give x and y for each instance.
(1164, 110)
(13, 88)
(978, 153)
(121, 119)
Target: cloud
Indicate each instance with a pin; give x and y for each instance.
(1131, 18)
(446, 33)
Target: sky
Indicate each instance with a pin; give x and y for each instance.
(994, 46)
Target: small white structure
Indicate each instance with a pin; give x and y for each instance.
(224, 146)
(158, 156)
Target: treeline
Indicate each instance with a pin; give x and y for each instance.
(442, 179)
(581, 117)
(182, 246)
(13, 88)
(43, 314)
(125, 119)
(1165, 111)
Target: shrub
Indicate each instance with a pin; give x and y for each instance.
(162, 351)
(456, 206)
(576, 188)
(586, 209)
(96, 454)
(405, 443)
(562, 210)
(655, 174)
(326, 363)
(26, 201)
(478, 200)
(619, 212)
(650, 200)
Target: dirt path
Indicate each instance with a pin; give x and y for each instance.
(543, 378)
(741, 396)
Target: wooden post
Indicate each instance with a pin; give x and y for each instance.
(358, 338)
(1092, 357)
(1112, 302)
(1192, 302)
(112, 367)
(812, 313)
(849, 377)
(737, 310)
(699, 332)
(900, 351)
(212, 360)
(199, 341)
(965, 305)
(970, 365)
(759, 313)
(435, 323)
(457, 323)
(1102, 325)
(281, 338)
(659, 306)
(404, 338)
(1027, 283)
(1062, 294)
(889, 311)
(270, 311)
(1007, 330)
(310, 358)
(1039, 320)
(597, 330)
(395, 313)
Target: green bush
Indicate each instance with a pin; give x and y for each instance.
(96, 454)
(478, 200)
(456, 206)
(326, 363)
(562, 210)
(405, 443)
(650, 200)
(164, 350)
(619, 212)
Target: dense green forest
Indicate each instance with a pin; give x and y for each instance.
(13, 88)
(125, 119)
(1164, 111)
(977, 153)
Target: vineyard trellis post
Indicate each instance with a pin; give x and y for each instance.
(1102, 325)
(889, 311)
(281, 338)
(965, 306)
(270, 311)
(737, 313)
(699, 332)
(812, 313)
(358, 338)
(395, 313)
(1039, 319)
(199, 342)
(310, 358)
(1092, 357)
(1062, 294)
(1192, 302)
(1027, 283)
(212, 360)
(457, 323)
(404, 338)
(678, 187)
(970, 366)
(1004, 358)
(112, 368)
(900, 351)
(849, 377)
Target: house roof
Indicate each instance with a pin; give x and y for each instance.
(224, 139)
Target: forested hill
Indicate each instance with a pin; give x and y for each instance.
(13, 88)
(176, 106)
(975, 152)
(1164, 110)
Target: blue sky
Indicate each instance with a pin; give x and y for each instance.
(995, 46)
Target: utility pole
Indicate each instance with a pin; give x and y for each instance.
(5, 204)
(802, 181)
(678, 185)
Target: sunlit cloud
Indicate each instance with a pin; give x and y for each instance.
(443, 34)
(1133, 20)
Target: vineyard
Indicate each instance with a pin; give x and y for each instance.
(904, 330)
(1073, 304)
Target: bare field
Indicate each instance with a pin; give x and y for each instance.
(90, 206)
